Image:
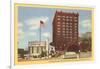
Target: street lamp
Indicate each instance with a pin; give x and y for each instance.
(48, 47)
(79, 48)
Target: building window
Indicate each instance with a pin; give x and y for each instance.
(70, 35)
(66, 37)
(67, 23)
(76, 24)
(67, 19)
(63, 34)
(75, 29)
(67, 32)
(63, 22)
(63, 28)
(75, 17)
(58, 19)
(63, 16)
(58, 25)
(58, 16)
(58, 34)
(58, 31)
(58, 22)
(66, 26)
(63, 19)
(66, 16)
(58, 28)
(63, 31)
(70, 17)
(71, 39)
(75, 38)
(75, 32)
(63, 25)
(70, 26)
(70, 32)
(75, 20)
(70, 29)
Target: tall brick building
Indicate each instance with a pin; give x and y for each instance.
(65, 31)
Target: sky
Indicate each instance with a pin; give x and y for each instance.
(29, 20)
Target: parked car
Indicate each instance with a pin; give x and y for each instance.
(69, 55)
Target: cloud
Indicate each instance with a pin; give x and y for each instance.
(32, 33)
(20, 30)
(34, 23)
(20, 25)
(46, 34)
(20, 33)
(86, 24)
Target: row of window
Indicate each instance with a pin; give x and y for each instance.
(67, 17)
(69, 38)
(67, 25)
(66, 34)
(75, 20)
(75, 23)
(67, 29)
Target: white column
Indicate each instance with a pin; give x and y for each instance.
(47, 47)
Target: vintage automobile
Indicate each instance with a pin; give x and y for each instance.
(70, 55)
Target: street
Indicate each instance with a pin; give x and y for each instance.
(83, 57)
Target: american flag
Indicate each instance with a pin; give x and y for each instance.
(41, 23)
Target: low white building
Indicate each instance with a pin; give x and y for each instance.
(37, 47)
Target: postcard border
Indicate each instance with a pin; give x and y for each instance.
(16, 5)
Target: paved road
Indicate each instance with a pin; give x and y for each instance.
(83, 55)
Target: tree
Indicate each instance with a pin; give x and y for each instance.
(86, 44)
(43, 54)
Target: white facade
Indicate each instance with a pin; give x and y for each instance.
(36, 47)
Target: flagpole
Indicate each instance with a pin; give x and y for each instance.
(41, 23)
(40, 34)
